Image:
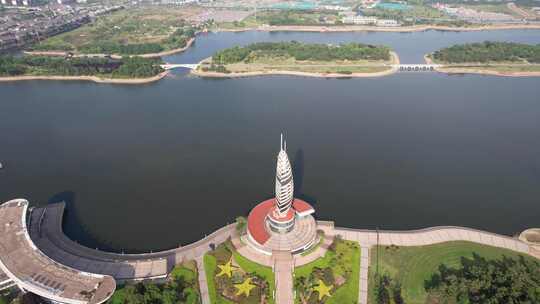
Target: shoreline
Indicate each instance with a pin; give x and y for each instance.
(87, 78)
(113, 56)
(477, 70)
(212, 74)
(360, 28)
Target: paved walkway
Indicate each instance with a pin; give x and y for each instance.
(45, 229)
(203, 283)
(364, 272)
(368, 238)
(283, 270)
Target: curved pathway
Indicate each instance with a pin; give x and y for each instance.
(45, 229)
(421, 237)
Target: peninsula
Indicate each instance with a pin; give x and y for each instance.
(490, 58)
(143, 32)
(129, 70)
(300, 59)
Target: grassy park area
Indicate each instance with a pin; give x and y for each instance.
(498, 57)
(301, 57)
(182, 286)
(412, 268)
(131, 31)
(332, 278)
(234, 279)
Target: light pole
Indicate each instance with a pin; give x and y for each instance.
(377, 271)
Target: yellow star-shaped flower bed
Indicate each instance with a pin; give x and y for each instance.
(323, 290)
(244, 288)
(226, 269)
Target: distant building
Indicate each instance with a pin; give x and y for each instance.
(334, 7)
(387, 22)
(24, 265)
(360, 20)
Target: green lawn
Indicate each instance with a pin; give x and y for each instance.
(210, 267)
(413, 265)
(263, 271)
(345, 262)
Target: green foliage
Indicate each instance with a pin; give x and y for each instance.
(387, 290)
(413, 266)
(287, 17)
(11, 66)
(111, 47)
(241, 224)
(481, 281)
(178, 39)
(221, 289)
(181, 287)
(128, 67)
(302, 51)
(489, 52)
(342, 260)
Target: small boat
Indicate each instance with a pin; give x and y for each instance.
(1, 166)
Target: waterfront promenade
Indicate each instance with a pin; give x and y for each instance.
(421, 237)
(45, 230)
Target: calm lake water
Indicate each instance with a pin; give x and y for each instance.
(153, 166)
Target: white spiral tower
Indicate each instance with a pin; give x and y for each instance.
(284, 181)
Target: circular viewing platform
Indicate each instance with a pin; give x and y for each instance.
(300, 238)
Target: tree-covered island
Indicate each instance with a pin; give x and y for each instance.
(296, 58)
(41, 67)
(497, 58)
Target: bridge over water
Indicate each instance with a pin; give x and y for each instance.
(170, 66)
(416, 67)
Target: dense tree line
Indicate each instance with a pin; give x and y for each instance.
(302, 51)
(287, 18)
(112, 47)
(128, 67)
(180, 289)
(481, 281)
(387, 290)
(489, 52)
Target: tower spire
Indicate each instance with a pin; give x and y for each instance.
(281, 143)
(284, 180)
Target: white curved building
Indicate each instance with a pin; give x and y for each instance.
(32, 271)
(284, 181)
(282, 218)
(283, 223)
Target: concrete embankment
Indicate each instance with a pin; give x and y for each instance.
(46, 231)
